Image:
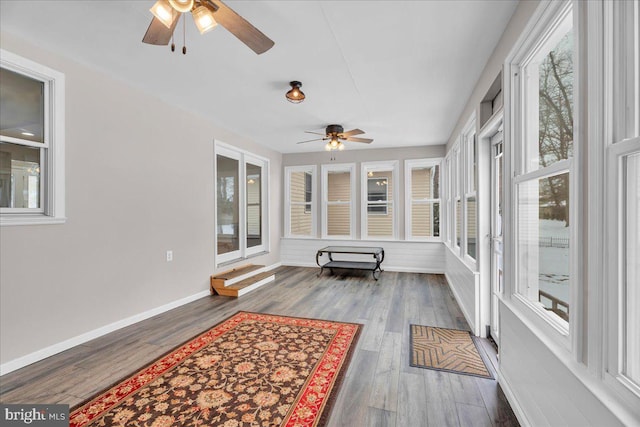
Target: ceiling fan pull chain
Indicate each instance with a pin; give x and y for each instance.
(184, 36)
(173, 45)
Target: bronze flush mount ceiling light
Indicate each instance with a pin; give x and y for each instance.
(295, 95)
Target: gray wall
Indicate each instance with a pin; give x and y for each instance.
(139, 182)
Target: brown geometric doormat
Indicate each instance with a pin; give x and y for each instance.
(448, 350)
(251, 369)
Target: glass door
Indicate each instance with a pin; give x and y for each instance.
(497, 206)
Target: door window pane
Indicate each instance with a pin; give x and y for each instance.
(21, 106)
(228, 207)
(543, 242)
(631, 294)
(254, 205)
(19, 176)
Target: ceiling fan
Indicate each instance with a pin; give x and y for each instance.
(335, 134)
(206, 14)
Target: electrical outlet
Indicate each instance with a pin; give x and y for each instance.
(169, 256)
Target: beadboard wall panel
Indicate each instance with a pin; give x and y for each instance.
(465, 285)
(417, 257)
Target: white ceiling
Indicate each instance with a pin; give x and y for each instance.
(400, 70)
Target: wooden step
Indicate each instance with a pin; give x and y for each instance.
(243, 286)
(235, 275)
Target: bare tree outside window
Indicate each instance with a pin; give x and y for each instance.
(556, 127)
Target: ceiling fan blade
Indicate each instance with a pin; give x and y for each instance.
(315, 133)
(310, 140)
(158, 34)
(352, 132)
(241, 28)
(365, 140)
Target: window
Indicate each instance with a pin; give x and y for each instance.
(299, 201)
(241, 211)
(470, 191)
(338, 189)
(308, 181)
(379, 190)
(631, 270)
(377, 194)
(544, 170)
(31, 142)
(447, 194)
(622, 217)
(422, 197)
(457, 203)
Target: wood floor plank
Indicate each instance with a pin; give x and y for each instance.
(379, 387)
(441, 405)
(411, 388)
(471, 415)
(384, 390)
(352, 403)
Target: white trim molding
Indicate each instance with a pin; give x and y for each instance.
(52, 194)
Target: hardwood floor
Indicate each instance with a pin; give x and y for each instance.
(380, 388)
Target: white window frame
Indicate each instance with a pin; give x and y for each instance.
(457, 181)
(243, 157)
(466, 176)
(409, 201)
(52, 177)
(338, 167)
(546, 21)
(621, 75)
(288, 171)
(385, 166)
(616, 276)
(445, 193)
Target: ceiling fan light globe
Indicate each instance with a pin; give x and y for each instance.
(164, 12)
(327, 147)
(334, 142)
(203, 19)
(181, 6)
(341, 146)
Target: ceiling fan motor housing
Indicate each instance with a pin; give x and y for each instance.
(334, 130)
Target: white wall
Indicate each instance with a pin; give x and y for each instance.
(416, 257)
(464, 284)
(139, 182)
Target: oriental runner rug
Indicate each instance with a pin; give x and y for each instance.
(449, 350)
(249, 370)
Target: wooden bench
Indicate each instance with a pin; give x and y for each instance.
(373, 266)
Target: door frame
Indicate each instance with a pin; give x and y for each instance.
(485, 221)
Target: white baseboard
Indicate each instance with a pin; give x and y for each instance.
(384, 268)
(38, 355)
(511, 398)
(468, 318)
